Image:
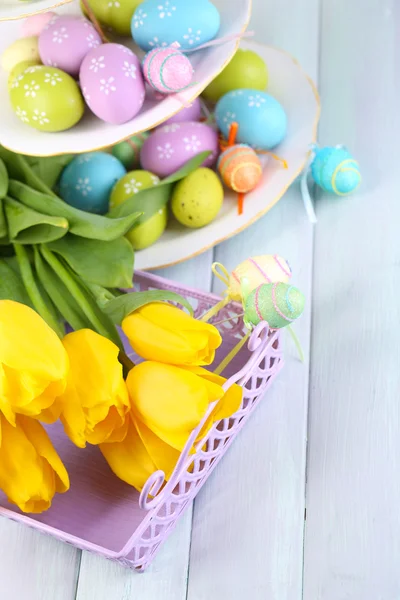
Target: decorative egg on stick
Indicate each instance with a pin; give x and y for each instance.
(167, 70)
(334, 170)
(279, 304)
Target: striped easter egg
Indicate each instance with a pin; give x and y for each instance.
(167, 70)
(267, 268)
(240, 168)
(128, 152)
(279, 304)
(336, 171)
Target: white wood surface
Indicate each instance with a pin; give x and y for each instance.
(246, 536)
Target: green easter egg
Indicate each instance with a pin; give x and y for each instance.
(197, 199)
(19, 69)
(128, 152)
(277, 303)
(146, 233)
(246, 70)
(47, 99)
(116, 14)
(23, 49)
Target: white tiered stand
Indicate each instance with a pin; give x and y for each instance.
(249, 535)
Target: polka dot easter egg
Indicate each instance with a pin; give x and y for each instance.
(115, 14)
(158, 23)
(128, 152)
(86, 183)
(197, 199)
(47, 99)
(171, 146)
(65, 42)
(279, 304)
(262, 120)
(187, 113)
(257, 270)
(112, 83)
(167, 70)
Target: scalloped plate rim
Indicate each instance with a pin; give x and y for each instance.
(50, 5)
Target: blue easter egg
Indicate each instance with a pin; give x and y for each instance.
(336, 171)
(86, 183)
(158, 23)
(262, 120)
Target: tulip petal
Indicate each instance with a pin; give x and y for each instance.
(129, 459)
(95, 404)
(164, 456)
(31, 471)
(230, 401)
(164, 333)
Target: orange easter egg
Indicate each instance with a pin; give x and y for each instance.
(240, 168)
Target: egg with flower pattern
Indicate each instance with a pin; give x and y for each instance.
(47, 99)
(112, 83)
(171, 146)
(261, 118)
(162, 22)
(115, 14)
(65, 41)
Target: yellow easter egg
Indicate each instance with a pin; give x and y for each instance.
(20, 50)
(147, 233)
(197, 199)
(268, 268)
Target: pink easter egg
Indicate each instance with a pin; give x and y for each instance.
(65, 42)
(35, 24)
(171, 146)
(112, 83)
(167, 70)
(187, 113)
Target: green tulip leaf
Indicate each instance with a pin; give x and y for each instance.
(3, 180)
(19, 168)
(109, 264)
(27, 226)
(3, 222)
(11, 286)
(63, 299)
(81, 223)
(121, 307)
(49, 168)
(151, 200)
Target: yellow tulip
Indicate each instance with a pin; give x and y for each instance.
(161, 332)
(171, 401)
(33, 364)
(31, 471)
(95, 404)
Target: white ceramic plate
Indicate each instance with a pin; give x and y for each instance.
(295, 90)
(93, 134)
(14, 9)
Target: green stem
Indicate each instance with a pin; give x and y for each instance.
(126, 363)
(74, 289)
(33, 290)
(297, 343)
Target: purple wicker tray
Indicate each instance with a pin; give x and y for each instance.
(102, 514)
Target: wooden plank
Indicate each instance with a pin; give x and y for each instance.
(352, 546)
(167, 577)
(247, 538)
(35, 567)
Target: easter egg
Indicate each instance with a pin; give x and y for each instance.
(162, 22)
(262, 120)
(65, 42)
(146, 233)
(19, 69)
(246, 70)
(279, 304)
(240, 168)
(267, 268)
(112, 83)
(187, 113)
(167, 70)
(128, 152)
(23, 49)
(130, 184)
(171, 146)
(47, 99)
(86, 183)
(35, 24)
(336, 171)
(197, 199)
(115, 14)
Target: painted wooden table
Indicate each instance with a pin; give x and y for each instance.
(283, 519)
